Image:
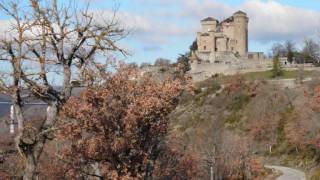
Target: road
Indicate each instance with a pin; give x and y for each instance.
(288, 173)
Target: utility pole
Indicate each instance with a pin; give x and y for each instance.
(211, 172)
(12, 118)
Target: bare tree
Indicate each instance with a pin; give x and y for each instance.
(290, 48)
(278, 50)
(54, 39)
(14, 57)
(162, 62)
(311, 51)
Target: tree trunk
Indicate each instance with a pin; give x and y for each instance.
(149, 170)
(27, 142)
(66, 81)
(19, 116)
(31, 142)
(52, 112)
(30, 168)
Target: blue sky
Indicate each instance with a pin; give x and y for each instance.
(166, 28)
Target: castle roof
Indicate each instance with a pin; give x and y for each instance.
(240, 12)
(228, 20)
(209, 19)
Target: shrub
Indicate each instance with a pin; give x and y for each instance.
(239, 101)
(119, 124)
(276, 68)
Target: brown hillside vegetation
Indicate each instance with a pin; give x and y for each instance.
(225, 129)
(249, 123)
(115, 130)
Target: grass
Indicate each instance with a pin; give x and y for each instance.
(259, 75)
(267, 75)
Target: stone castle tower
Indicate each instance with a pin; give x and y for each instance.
(229, 36)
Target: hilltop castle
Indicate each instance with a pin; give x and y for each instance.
(222, 48)
(229, 36)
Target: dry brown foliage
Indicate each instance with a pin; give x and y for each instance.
(118, 125)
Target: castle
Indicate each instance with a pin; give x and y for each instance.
(229, 36)
(222, 47)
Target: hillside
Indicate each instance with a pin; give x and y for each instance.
(236, 122)
(231, 126)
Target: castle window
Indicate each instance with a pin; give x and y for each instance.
(204, 47)
(232, 48)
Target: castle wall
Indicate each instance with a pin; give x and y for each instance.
(206, 42)
(222, 44)
(204, 56)
(227, 66)
(228, 30)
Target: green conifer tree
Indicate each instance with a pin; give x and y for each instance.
(276, 68)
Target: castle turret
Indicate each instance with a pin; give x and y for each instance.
(241, 32)
(209, 24)
(205, 38)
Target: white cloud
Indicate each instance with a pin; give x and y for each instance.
(145, 28)
(160, 21)
(269, 20)
(6, 27)
(198, 10)
(127, 20)
(274, 21)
